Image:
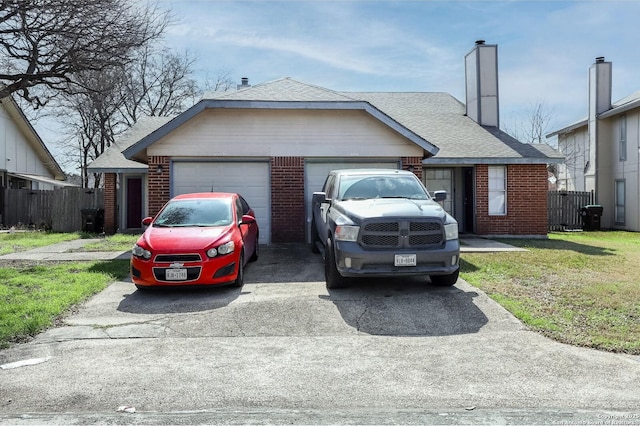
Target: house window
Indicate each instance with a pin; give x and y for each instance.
(620, 202)
(622, 140)
(497, 190)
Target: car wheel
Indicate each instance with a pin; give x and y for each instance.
(239, 282)
(255, 254)
(445, 280)
(331, 274)
(315, 239)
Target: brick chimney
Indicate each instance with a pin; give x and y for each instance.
(481, 78)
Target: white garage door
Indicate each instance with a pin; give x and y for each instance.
(251, 180)
(316, 173)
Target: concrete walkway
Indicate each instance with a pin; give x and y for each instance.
(72, 250)
(67, 251)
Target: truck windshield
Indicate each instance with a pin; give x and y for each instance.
(365, 187)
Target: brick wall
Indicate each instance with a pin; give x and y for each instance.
(415, 162)
(287, 200)
(110, 203)
(526, 201)
(158, 185)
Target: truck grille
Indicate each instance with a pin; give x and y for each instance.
(402, 234)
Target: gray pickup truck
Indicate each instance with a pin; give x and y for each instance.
(382, 223)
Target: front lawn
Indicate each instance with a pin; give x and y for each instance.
(11, 242)
(32, 297)
(581, 288)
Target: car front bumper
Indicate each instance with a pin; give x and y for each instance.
(220, 270)
(353, 261)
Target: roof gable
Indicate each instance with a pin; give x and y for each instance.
(434, 121)
(33, 138)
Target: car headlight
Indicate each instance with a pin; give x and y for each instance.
(451, 231)
(347, 233)
(141, 252)
(225, 248)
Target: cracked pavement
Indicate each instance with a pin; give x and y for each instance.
(284, 349)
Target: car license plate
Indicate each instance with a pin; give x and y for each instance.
(176, 274)
(405, 260)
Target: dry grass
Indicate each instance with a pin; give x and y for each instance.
(578, 288)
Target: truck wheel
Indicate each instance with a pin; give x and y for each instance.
(315, 240)
(445, 280)
(331, 274)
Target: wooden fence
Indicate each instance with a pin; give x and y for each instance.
(564, 209)
(59, 210)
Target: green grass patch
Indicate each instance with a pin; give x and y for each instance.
(12, 242)
(117, 242)
(32, 297)
(580, 288)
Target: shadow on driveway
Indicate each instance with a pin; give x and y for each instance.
(407, 307)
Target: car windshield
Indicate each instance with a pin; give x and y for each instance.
(196, 212)
(364, 187)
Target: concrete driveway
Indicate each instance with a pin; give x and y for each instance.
(283, 349)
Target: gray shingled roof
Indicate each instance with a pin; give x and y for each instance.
(281, 90)
(440, 118)
(113, 161)
(429, 119)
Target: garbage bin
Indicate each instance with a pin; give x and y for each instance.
(92, 220)
(591, 215)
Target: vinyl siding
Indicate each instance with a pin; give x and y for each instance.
(273, 133)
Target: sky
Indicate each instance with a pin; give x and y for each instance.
(545, 48)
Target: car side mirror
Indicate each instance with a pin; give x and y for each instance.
(147, 221)
(319, 198)
(440, 195)
(247, 220)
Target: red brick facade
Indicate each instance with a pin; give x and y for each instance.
(415, 163)
(287, 200)
(110, 203)
(526, 198)
(158, 185)
(526, 201)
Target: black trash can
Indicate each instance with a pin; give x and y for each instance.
(591, 215)
(92, 220)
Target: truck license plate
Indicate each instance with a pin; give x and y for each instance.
(176, 274)
(405, 260)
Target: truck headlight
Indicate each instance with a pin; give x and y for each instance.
(451, 231)
(347, 233)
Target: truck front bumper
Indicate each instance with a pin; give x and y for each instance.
(353, 261)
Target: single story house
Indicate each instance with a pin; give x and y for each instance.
(275, 143)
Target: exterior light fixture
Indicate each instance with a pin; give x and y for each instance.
(159, 169)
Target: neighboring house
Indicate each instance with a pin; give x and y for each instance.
(603, 152)
(25, 161)
(275, 143)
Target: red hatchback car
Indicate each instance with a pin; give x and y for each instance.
(196, 239)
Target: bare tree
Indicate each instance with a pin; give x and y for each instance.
(45, 44)
(155, 83)
(158, 83)
(536, 126)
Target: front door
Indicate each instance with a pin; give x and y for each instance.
(469, 200)
(134, 203)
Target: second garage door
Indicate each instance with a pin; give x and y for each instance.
(315, 173)
(249, 179)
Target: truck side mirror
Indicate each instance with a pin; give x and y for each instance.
(440, 195)
(319, 198)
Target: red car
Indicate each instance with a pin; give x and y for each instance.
(196, 239)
